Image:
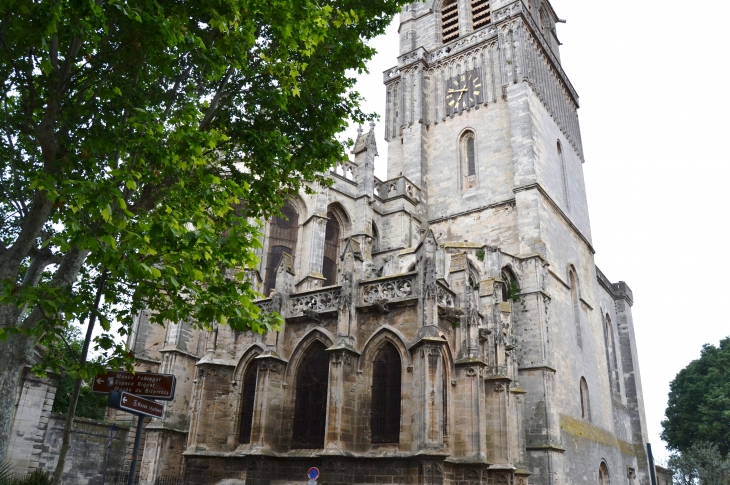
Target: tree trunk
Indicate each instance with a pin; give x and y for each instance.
(14, 356)
(71, 414)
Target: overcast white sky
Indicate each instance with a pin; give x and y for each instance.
(652, 79)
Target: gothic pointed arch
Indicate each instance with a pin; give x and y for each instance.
(611, 357)
(248, 401)
(585, 400)
(247, 375)
(575, 302)
(603, 476)
(310, 401)
(376, 238)
(385, 408)
(337, 224)
(283, 237)
(468, 159)
(509, 285)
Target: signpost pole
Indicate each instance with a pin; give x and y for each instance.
(135, 451)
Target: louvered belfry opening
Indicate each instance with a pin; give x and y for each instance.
(481, 14)
(331, 250)
(282, 239)
(248, 399)
(450, 20)
(310, 405)
(386, 396)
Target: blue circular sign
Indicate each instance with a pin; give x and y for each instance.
(313, 473)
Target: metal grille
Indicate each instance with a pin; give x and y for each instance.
(331, 250)
(450, 21)
(386, 396)
(248, 399)
(310, 406)
(282, 239)
(481, 14)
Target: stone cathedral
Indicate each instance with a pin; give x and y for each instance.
(447, 325)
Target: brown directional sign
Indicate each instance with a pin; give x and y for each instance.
(156, 386)
(130, 403)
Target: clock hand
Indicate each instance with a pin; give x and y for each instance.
(457, 90)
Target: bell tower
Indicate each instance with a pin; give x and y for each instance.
(483, 121)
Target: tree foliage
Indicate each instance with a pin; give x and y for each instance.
(699, 402)
(142, 141)
(67, 352)
(701, 464)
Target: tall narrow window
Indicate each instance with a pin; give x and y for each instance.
(564, 176)
(310, 405)
(469, 164)
(331, 250)
(585, 402)
(386, 396)
(282, 239)
(376, 239)
(450, 20)
(481, 14)
(611, 360)
(603, 478)
(508, 281)
(248, 399)
(574, 296)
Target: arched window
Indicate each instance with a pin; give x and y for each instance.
(564, 175)
(310, 405)
(574, 296)
(248, 399)
(331, 250)
(283, 235)
(449, 20)
(585, 401)
(508, 281)
(481, 14)
(603, 478)
(386, 396)
(376, 239)
(611, 360)
(468, 157)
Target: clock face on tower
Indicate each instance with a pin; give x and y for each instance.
(464, 91)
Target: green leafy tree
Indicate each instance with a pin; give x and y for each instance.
(701, 464)
(67, 350)
(699, 402)
(142, 141)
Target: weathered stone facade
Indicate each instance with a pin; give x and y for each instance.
(474, 261)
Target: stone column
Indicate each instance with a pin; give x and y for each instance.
(428, 394)
(341, 405)
(268, 406)
(314, 230)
